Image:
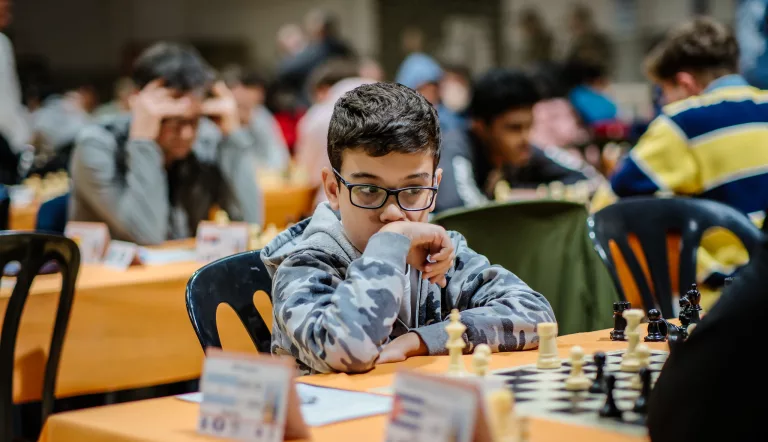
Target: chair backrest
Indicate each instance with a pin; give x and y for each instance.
(546, 244)
(232, 280)
(52, 215)
(32, 251)
(651, 220)
(5, 208)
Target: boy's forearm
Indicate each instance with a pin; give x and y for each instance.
(343, 328)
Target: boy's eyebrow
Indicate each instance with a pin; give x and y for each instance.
(364, 175)
(424, 175)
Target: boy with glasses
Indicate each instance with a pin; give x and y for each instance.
(366, 280)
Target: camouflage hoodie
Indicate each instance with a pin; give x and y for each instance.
(334, 308)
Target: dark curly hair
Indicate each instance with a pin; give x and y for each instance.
(381, 118)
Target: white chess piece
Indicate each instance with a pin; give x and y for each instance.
(481, 357)
(548, 358)
(577, 381)
(501, 414)
(643, 355)
(455, 345)
(629, 361)
(557, 190)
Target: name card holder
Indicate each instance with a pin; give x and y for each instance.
(120, 255)
(91, 238)
(218, 240)
(437, 409)
(250, 397)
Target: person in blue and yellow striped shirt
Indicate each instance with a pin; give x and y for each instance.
(710, 140)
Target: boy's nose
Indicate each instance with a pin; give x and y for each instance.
(391, 212)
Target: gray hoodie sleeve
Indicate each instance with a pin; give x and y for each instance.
(497, 307)
(341, 324)
(242, 198)
(136, 209)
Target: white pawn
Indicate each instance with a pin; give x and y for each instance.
(629, 361)
(643, 355)
(548, 358)
(481, 357)
(577, 381)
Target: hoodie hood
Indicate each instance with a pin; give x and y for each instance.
(417, 70)
(322, 232)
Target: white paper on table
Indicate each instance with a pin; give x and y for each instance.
(322, 406)
(165, 256)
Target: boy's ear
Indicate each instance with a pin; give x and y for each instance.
(331, 188)
(438, 178)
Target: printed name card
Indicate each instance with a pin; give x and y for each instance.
(249, 397)
(91, 239)
(121, 254)
(217, 240)
(437, 409)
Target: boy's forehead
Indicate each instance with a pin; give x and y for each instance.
(394, 165)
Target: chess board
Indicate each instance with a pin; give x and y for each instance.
(542, 393)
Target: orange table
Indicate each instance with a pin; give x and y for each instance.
(127, 330)
(170, 419)
(282, 205)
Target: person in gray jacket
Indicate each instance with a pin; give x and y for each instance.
(367, 280)
(155, 174)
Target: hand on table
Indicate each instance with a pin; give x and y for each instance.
(150, 106)
(222, 109)
(402, 348)
(427, 241)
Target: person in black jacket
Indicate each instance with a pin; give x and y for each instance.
(496, 146)
(712, 386)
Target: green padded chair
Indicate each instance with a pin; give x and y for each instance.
(546, 244)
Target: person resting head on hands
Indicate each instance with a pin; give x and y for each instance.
(367, 280)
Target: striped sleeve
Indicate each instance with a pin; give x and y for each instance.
(661, 161)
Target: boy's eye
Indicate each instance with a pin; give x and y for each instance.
(369, 190)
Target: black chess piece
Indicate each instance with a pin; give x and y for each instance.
(641, 404)
(610, 409)
(694, 298)
(674, 337)
(685, 305)
(619, 323)
(655, 325)
(685, 321)
(598, 386)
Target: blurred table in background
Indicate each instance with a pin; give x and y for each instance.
(128, 329)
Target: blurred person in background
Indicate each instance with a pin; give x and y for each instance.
(752, 34)
(497, 147)
(709, 141)
(424, 74)
(587, 41)
(249, 89)
(589, 94)
(555, 122)
(538, 42)
(371, 69)
(14, 126)
(291, 40)
(455, 90)
(123, 90)
(329, 83)
(156, 174)
(324, 44)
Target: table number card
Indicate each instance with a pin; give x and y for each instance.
(436, 409)
(121, 254)
(91, 238)
(249, 398)
(216, 240)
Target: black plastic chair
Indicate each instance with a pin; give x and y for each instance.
(5, 208)
(232, 280)
(651, 219)
(32, 251)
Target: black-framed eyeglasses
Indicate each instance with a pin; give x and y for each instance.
(369, 196)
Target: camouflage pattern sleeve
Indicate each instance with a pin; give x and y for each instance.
(497, 307)
(336, 324)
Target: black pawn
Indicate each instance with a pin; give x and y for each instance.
(685, 306)
(598, 386)
(685, 321)
(694, 297)
(619, 323)
(654, 327)
(610, 409)
(641, 404)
